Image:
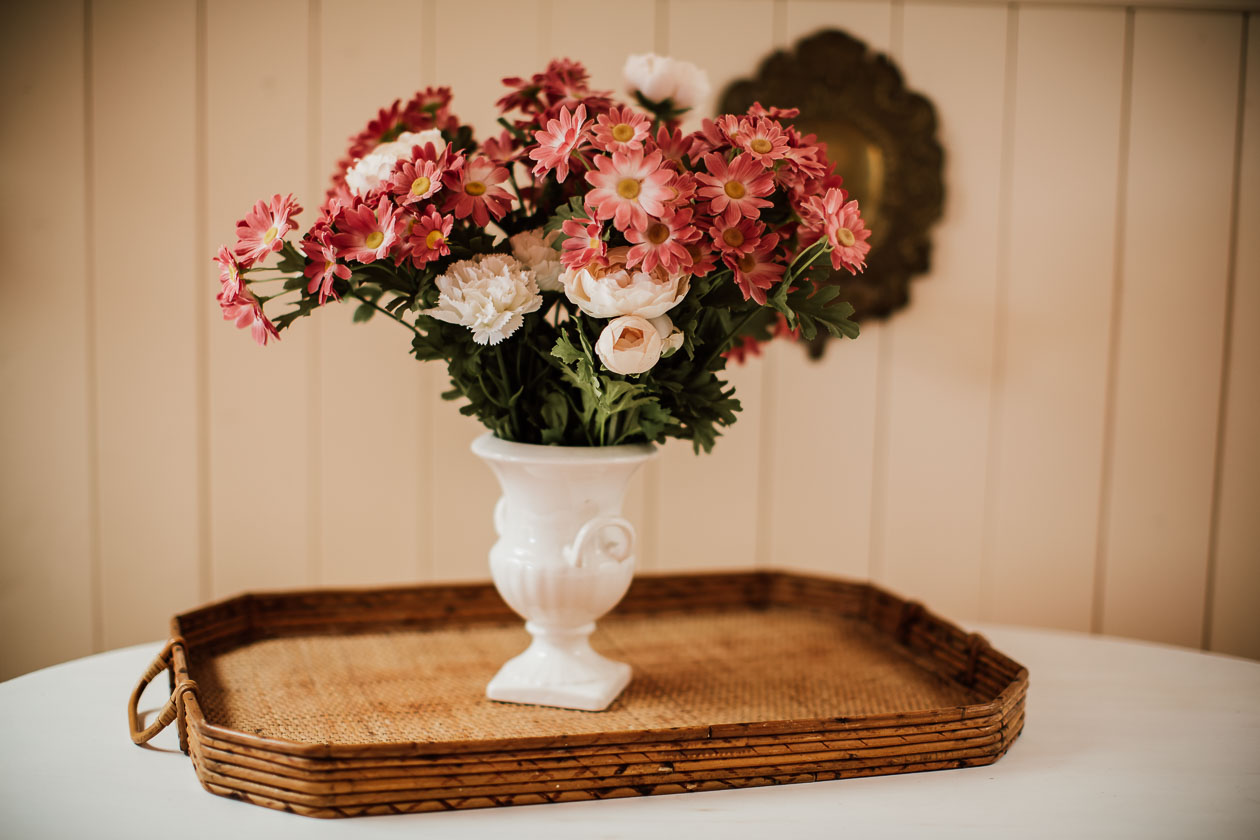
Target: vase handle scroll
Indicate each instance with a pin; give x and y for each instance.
(589, 541)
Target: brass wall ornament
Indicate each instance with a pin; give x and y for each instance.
(882, 138)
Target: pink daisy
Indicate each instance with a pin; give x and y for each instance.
(627, 188)
(474, 191)
(663, 242)
(323, 268)
(229, 272)
(428, 237)
(558, 141)
(737, 238)
(762, 138)
(621, 129)
(734, 189)
(366, 236)
(262, 230)
(585, 243)
(845, 231)
(757, 271)
(246, 310)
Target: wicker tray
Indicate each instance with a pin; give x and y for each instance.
(345, 703)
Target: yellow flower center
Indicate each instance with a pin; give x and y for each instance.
(420, 186)
(434, 239)
(734, 189)
(761, 145)
(845, 237)
(657, 233)
(628, 188)
(593, 243)
(622, 132)
(269, 235)
(732, 237)
(475, 188)
(374, 239)
(746, 263)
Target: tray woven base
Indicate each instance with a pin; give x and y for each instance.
(335, 704)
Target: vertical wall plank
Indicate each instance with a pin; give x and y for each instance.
(1172, 314)
(942, 345)
(868, 20)
(258, 403)
(46, 604)
(143, 77)
(373, 423)
(1048, 440)
(721, 489)
(818, 497)
(511, 47)
(1233, 626)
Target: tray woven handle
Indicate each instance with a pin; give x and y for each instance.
(171, 710)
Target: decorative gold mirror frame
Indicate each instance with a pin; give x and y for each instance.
(882, 138)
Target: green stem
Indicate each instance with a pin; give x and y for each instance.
(380, 308)
(513, 426)
(722, 345)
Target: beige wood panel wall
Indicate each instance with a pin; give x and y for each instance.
(1061, 430)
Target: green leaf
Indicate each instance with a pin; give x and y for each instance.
(363, 313)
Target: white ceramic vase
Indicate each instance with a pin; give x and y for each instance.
(565, 556)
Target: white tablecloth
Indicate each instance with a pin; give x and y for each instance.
(1123, 739)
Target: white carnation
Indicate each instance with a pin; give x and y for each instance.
(490, 294)
(659, 78)
(369, 171)
(535, 251)
(612, 290)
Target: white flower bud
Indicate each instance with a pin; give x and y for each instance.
(629, 344)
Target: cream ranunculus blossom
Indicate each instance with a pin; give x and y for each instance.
(370, 170)
(534, 249)
(490, 294)
(629, 344)
(659, 78)
(612, 290)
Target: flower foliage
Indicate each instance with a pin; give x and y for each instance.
(587, 274)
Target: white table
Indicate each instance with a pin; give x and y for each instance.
(1123, 739)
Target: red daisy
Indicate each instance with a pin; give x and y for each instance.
(428, 237)
(663, 242)
(734, 189)
(758, 270)
(475, 191)
(366, 236)
(738, 238)
(323, 268)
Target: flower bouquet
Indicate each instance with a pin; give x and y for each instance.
(585, 275)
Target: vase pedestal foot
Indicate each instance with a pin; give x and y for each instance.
(560, 669)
